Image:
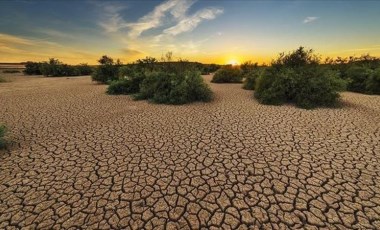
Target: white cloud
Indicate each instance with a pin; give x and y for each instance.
(191, 22)
(310, 19)
(181, 7)
(114, 22)
(151, 20)
(167, 20)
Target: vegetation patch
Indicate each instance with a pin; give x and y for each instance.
(210, 68)
(174, 88)
(373, 82)
(107, 71)
(361, 73)
(297, 77)
(250, 79)
(55, 68)
(362, 79)
(33, 68)
(11, 71)
(127, 85)
(228, 75)
(165, 82)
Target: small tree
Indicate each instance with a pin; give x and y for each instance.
(298, 58)
(105, 60)
(148, 63)
(52, 68)
(107, 70)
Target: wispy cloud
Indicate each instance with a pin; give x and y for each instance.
(191, 22)
(13, 47)
(154, 18)
(131, 52)
(19, 41)
(10, 39)
(310, 19)
(156, 31)
(55, 33)
(113, 20)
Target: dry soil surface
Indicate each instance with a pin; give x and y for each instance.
(84, 159)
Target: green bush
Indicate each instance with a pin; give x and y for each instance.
(272, 87)
(2, 80)
(357, 77)
(250, 79)
(298, 58)
(297, 77)
(174, 88)
(317, 87)
(123, 86)
(32, 68)
(209, 68)
(129, 71)
(2, 134)
(373, 82)
(148, 63)
(55, 68)
(308, 87)
(248, 67)
(107, 71)
(51, 68)
(129, 82)
(11, 71)
(84, 69)
(165, 82)
(228, 75)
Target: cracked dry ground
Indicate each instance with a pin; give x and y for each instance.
(83, 159)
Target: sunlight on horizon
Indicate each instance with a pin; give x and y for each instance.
(202, 31)
(233, 62)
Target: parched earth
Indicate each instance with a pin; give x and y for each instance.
(82, 159)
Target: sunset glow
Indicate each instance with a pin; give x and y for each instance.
(204, 31)
(233, 62)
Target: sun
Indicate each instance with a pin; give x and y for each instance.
(233, 62)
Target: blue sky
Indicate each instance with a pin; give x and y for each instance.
(206, 31)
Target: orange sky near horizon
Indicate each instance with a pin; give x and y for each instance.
(204, 31)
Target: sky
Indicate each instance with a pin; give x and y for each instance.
(208, 31)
